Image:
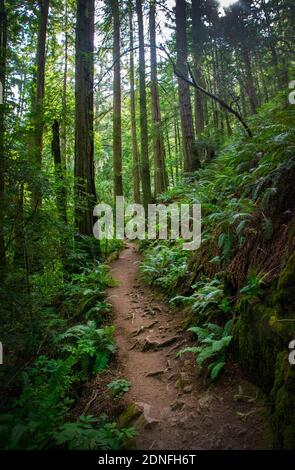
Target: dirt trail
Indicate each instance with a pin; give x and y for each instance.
(179, 411)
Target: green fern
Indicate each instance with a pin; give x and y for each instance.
(214, 342)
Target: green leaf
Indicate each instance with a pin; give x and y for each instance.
(216, 369)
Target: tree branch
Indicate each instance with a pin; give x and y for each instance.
(192, 82)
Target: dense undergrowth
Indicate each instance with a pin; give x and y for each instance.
(68, 340)
(247, 198)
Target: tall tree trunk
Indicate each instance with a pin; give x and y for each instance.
(160, 177)
(251, 92)
(38, 124)
(3, 45)
(117, 111)
(59, 173)
(170, 157)
(85, 194)
(176, 150)
(188, 141)
(135, 150)
(199, 102)
(145, 167)
(63, 127)
(197, 37)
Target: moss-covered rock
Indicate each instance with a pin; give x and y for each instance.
(286, 284)
(129, 415)
(262, 336)
(258, 343)
(283, 403)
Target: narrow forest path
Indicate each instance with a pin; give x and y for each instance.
(178, 410)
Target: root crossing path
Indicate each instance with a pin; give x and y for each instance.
(170, 406)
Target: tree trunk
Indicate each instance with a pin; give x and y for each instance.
(170, 157)
(197, 38)
(251, 92)
(38, 124)
(160, 177)
(59, 173)
(63, 127)
(199, 103)
(145, 167)
(187, 128)
(85, 194)
(117, 111)
(176, 151)
(3, 45)
(135, 151)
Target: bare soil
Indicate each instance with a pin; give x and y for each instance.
(177, 408)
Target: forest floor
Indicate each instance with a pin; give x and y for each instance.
(168, 403)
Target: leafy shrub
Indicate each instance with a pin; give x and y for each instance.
(253, 288)
(164, 265)
(44, 401)
(214, 341)
(119, 386)
(208, 297)
(90, 433)
(90, 346)
(85, 291)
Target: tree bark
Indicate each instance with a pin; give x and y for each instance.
(135, 150)
(63, 127)
(59, 173)
(197, 38)
(85, 194)
(38, 123)
(145, 167)
(251, 92)
(160, 174)
(187, 128)
(117, 111)
(3, 46)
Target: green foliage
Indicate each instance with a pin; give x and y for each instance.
(214, 341)
(47, 386)
(89, 345)
(164, 265)
(253, 289)
(119, 386)
(207, 298)
(90, 433)
(44, 401)
(84, 294)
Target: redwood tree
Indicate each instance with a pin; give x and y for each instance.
(85, 194)
(187, 128)
(3, 43)
(160, 178)
(38, 99)
(135, 150)
(145, 167)
(117, 111)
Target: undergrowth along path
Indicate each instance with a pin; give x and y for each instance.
(174, 408)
